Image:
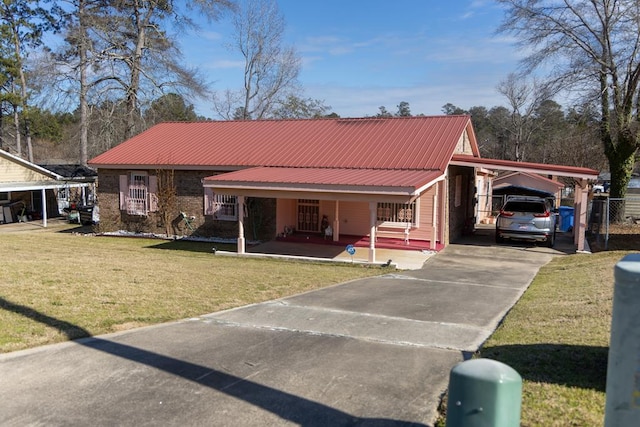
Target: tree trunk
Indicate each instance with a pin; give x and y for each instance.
(16, 124)
(84, 115)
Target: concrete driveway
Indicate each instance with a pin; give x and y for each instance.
(373, 352)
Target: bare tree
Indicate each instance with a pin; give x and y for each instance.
(167, 198)
(123, 52)
(23, 24)
(593, 46)
(524, 98)
(270, 68)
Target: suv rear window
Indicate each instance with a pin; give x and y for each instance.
(521, 206)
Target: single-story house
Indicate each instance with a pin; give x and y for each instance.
(409, 178)
(31, 191)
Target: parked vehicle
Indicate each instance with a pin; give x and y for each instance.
(527, 218)
(88, 215)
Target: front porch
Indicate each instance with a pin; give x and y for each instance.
(362, 242)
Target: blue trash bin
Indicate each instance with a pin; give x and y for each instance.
(566, 218)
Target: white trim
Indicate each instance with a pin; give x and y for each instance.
(30, 186)
(545, 171)
(401, 191)
(425, 187)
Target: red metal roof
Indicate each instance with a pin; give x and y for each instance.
(540, 168)
(357, 179)
(415, 143)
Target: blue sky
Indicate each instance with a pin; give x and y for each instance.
(361, 54)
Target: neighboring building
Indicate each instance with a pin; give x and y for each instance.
(525, 184)
(410, 178)
(29, 191)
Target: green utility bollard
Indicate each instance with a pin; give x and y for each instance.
(484, 392)
(622, 406)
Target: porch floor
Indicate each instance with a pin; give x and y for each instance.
(361, 242)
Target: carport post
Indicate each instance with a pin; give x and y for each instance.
(622, 406)
(44, 207)
(580, 214)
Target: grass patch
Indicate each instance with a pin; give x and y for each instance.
(56, 286)
(557, 338)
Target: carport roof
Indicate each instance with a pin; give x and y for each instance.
(538, 168)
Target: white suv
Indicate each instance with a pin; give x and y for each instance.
(527, 218)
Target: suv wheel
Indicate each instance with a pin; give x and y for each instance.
(551, 241)
(499, 239)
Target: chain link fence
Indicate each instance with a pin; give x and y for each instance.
(614, 224)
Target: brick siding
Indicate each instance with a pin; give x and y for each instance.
(190, 200)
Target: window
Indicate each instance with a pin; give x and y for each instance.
(137, 201)
(402, 213)
(308, 215)
(63, 194)
(223, 207)
(5, 197)
(226, 207)
(138, 193)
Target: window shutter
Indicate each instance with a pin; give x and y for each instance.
(153, 193)
(124, 192)
(208, 201)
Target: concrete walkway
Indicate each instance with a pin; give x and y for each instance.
(373, 352)
(400, 259)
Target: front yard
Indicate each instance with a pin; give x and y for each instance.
(95, 285)
(55, 286)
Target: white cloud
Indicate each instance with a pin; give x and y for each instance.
(467, 15)
(210, 35)
(225, 64)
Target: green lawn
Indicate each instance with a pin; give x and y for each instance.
(95, 285)
(557, 338)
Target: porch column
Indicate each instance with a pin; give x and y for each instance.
(435, 219)
(241, 241)
(580, 214)
(44, 207)
(372, 233)
(336, 223)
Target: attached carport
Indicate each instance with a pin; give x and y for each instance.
(581, 177)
